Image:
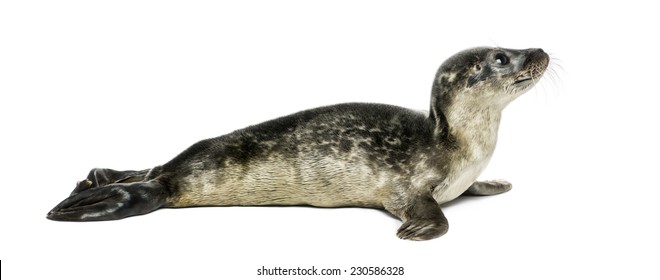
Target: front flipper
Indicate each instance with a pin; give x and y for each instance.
(423, 220)
(488, 187)
(112, 202)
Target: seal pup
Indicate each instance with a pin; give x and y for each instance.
(355, 155)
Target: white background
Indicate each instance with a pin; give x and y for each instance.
(129, 84)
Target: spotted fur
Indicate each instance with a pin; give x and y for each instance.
(356, 154)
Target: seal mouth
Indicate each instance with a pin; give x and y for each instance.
(533, 68)
(522, 80)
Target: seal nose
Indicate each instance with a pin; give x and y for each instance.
(536, 56)
(534, 51)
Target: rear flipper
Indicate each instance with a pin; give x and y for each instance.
(99, 177)
(112, 202)
(488, 187)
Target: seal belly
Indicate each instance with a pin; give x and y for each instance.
(277, 180)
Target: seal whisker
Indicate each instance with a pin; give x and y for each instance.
(552, 75)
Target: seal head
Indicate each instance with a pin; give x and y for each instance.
(483, 76)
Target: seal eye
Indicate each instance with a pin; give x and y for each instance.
(501, 59)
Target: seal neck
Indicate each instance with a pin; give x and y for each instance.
(467, 122)
(437, 117)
